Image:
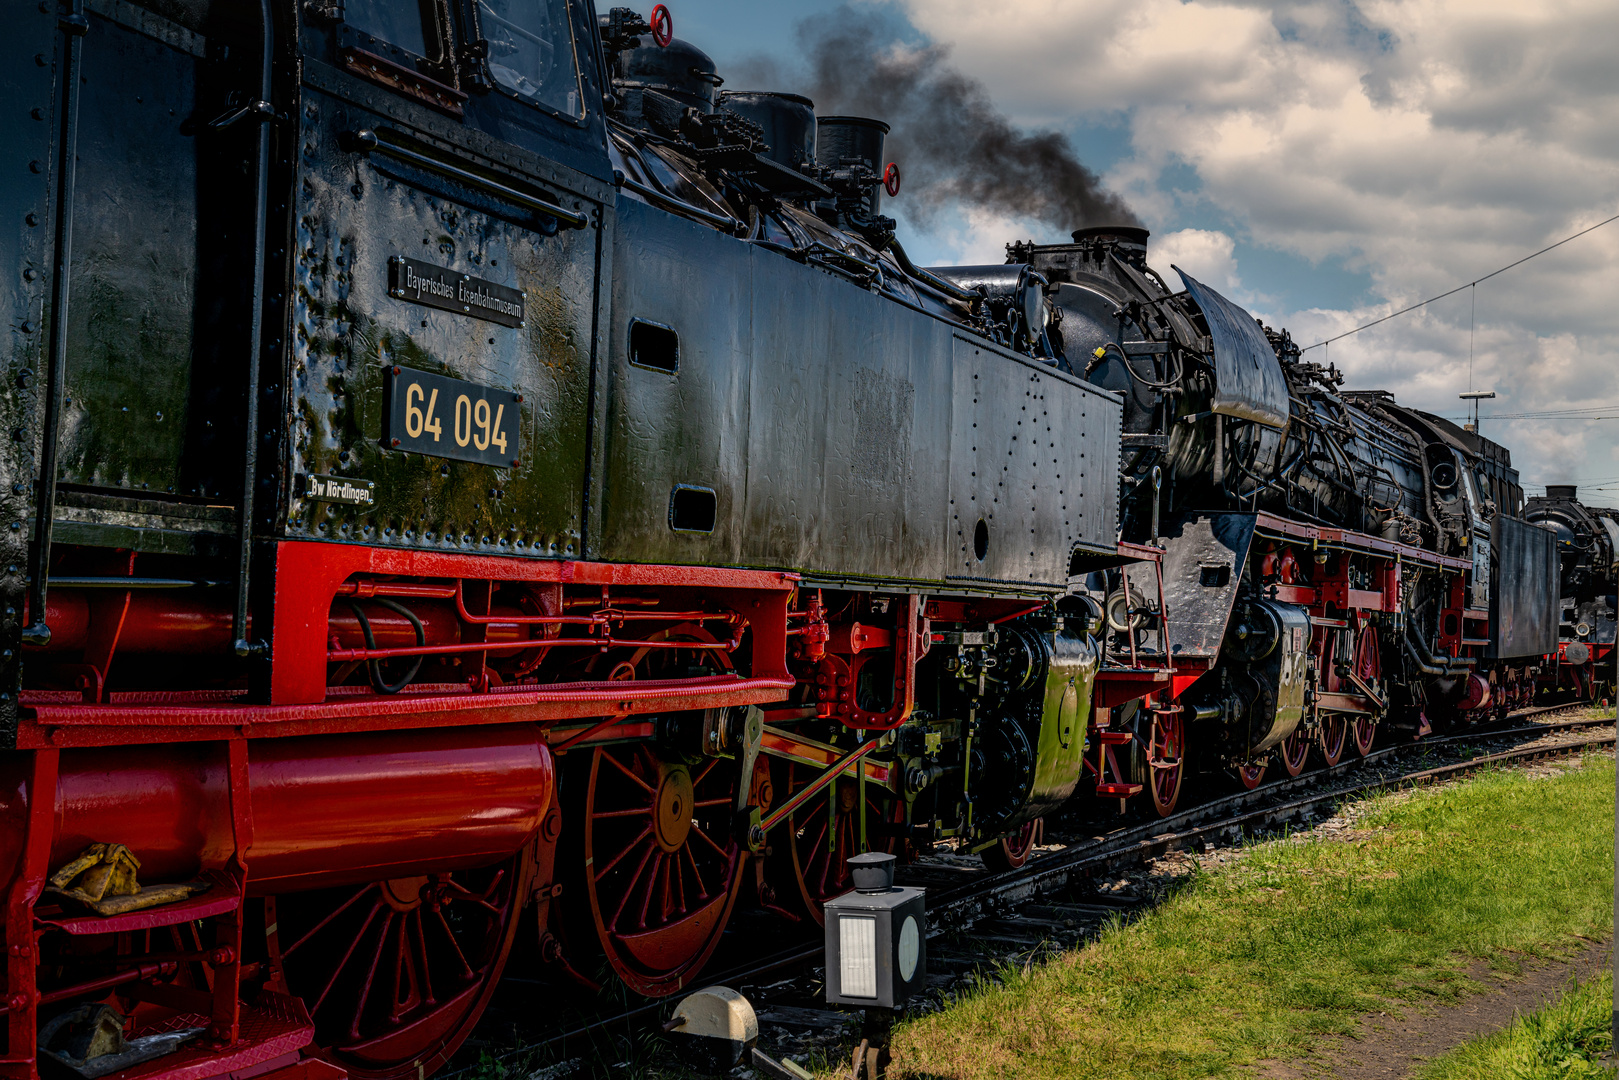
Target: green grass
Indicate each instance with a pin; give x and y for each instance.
(1292, 943)
(1564, 1041)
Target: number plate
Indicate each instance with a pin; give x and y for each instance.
(450, 418)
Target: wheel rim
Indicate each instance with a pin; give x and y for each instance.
(1295, 752)
(661, 866)
(396, 973)
(1250, 776)
(1012, 852)
(1369, 666)
(1364, 730)
(820, 865)
(1165, 753)
(1021, 844)
(1334, 732)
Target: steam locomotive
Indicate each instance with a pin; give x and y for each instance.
(471, 478)
(1588, 579)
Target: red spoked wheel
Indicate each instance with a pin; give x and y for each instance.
(1166, 750)
(1369, 667)
(825, 836)
(1363, 733)
(661, 866)
(663, 26)
(1012, 852)
(891, 180)
(1295, 751)
(396, 973)
(1250, 775)
(1333, 735)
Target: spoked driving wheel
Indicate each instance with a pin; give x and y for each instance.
(826, 831)
(1250, 775)
(1012, 852)
(1334, 734)
(1368, 666)
(1295, 751)
(1363, 732)
(396, 973)
(1166, 750)
(661, 867)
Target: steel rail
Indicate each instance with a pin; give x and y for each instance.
(966, 902)
(959, 907)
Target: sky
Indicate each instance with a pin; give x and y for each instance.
(1324, 163)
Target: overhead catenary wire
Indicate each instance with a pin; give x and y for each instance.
(1573, 412)
(1459, 288)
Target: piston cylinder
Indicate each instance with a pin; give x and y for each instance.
(326, 810)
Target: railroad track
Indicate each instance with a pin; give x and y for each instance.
(1016, 915)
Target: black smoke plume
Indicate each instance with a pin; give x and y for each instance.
(949, 140)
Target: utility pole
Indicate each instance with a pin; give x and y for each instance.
(1475, 396)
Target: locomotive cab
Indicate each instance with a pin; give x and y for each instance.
(324, 272)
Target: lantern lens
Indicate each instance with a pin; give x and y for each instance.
(857, 955)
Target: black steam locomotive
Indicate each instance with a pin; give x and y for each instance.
(1588, 576)
(470, 477)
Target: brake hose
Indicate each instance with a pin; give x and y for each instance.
(374, 667)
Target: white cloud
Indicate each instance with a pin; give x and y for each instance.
(1203, 253)
(975, 237)
(1422, 141)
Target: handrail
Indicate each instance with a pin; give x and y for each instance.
(368, 142)
(241, 644)
(934, 281)
(73, 26)
(730, 224)
(823, 253)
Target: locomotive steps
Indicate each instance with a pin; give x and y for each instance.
(1081, 889)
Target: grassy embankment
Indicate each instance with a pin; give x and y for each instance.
(1265, 957)
(1564, 1041)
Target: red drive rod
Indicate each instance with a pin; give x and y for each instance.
(327, 810)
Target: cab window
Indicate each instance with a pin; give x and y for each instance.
(531, 53)
(401, 23)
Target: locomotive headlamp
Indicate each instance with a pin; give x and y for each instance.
(876, 938)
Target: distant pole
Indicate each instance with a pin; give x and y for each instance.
(1475, 396)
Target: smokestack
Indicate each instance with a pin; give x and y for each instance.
(1126, 241)
(1561, 491)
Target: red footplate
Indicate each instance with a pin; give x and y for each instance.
(1117, 791)
(273, 1030)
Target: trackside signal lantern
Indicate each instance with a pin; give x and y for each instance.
(876, 938)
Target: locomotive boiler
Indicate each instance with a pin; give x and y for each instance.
(1588, 568)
